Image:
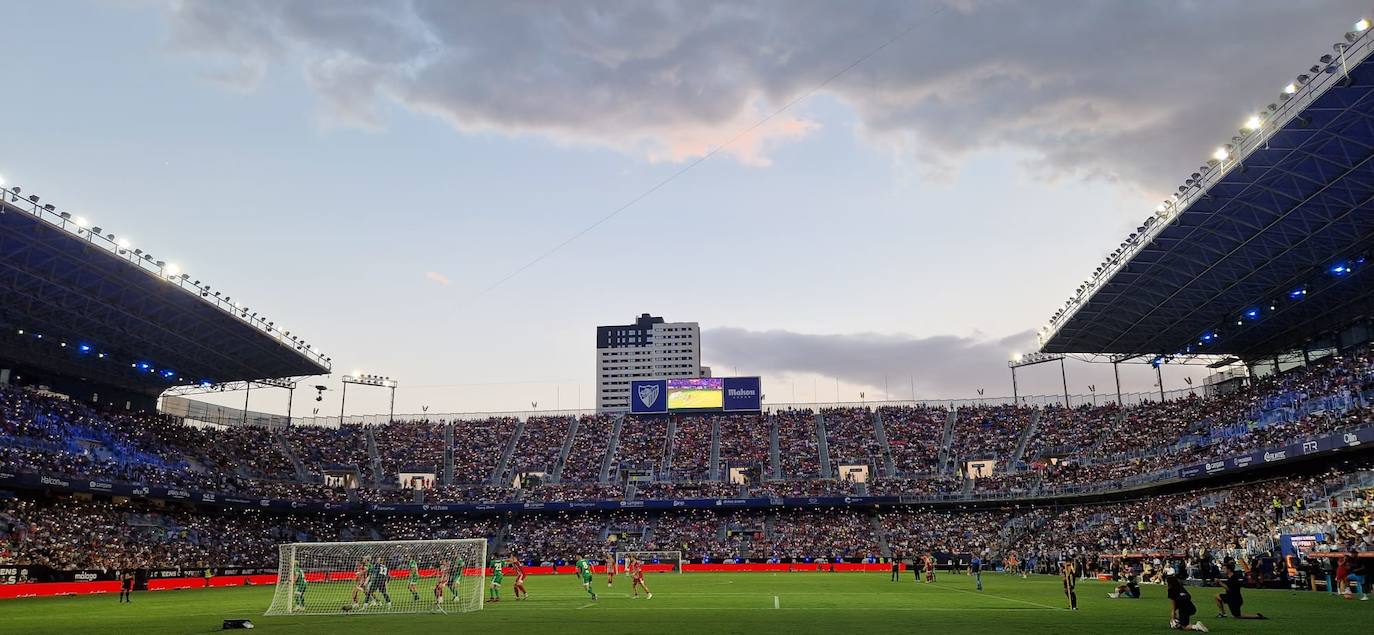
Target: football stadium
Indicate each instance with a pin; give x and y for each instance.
(141, 492)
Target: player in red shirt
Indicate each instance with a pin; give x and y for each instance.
(637, 577)
(929, 562)
(359, 580)
(610, 569)
(439, 585)
(520, 592)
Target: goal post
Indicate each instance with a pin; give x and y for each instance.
(378, 577)
(654, 561)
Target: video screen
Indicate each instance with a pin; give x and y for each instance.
(696, 394)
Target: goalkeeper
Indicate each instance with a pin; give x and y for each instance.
(299, 576)
(584, 574)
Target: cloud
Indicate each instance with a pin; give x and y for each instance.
(1132, 91)
(943, 365)
(940, 366)
(437, 277)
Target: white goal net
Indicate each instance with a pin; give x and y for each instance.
(397, 576)
(653, 561)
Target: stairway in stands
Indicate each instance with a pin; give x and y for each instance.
(557, 475)
(611, 444)
(373, 456)
(1015, 459)
(947, 441)
(774, 453)
(500, 467)
(889, 467)
(823, 448)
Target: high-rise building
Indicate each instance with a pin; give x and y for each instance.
(648, 349)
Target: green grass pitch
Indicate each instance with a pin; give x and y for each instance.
(754, 603)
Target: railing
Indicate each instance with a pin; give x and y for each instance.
(146, 263)
(1287, 111)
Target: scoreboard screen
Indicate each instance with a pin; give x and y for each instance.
(703, 393)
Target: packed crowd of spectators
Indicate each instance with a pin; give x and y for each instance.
(1070, 430)
(583, 464)
(669, 490)
(797, 445)
(478, 445)
(411, 446)
(1084, 447)
(538, 448)
(643, 442)
(851, 438)
(74, 532)
(989, 432)
(744, 440)
(692, 448)
(914, 434)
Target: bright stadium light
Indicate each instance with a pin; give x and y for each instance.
(124, 243)
(1290, 89)
(173, 269)
(81, 222)
(1362, 25)
(1221, 154)
(1253, 123)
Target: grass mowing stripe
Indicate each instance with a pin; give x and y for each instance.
(989, 595)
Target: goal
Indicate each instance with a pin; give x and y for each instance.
(654, 561)
(396, 576)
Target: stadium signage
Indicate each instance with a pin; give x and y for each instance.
(700, 394)
(1319, 445)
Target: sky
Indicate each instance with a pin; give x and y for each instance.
(872, 197)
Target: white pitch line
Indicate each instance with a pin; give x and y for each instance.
(775, 602)
(587, 605)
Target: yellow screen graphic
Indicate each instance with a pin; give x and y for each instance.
(692, 398)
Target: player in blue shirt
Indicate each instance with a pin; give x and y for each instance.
(975, 569)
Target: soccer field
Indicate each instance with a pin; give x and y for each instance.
(717, 603)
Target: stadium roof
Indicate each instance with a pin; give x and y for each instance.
(1262, 249)
(79, 303)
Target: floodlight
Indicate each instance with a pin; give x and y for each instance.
(1221, 154)
(1253, 123)
(1362, 25)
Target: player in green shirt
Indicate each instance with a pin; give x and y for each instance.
(414, 566)
(455, 575)
(584, 573)
(497, 573)
(299, 576)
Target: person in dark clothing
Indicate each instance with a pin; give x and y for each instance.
(1231, 598)
(1181, 603)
